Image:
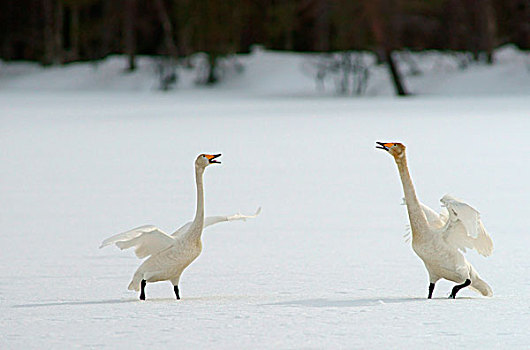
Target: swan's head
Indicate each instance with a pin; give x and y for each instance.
(396, 149)
(203, 160)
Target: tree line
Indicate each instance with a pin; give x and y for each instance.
(62, 31)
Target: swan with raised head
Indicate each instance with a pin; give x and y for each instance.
(169, 255)
(440, 239)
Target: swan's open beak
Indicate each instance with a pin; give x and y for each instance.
(384, 146)
(211, 158)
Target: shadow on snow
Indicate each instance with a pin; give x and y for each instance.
(317, 302)
(322, 302)
(126, 301)
(70, 303)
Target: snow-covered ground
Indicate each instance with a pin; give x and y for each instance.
(324, 266)
(272, 74)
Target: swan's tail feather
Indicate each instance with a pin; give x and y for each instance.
(135, 283)
(482, 287)
(478, 284)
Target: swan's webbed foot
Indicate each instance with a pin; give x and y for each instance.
(142, 290)
(457, 288)
(431, 289)
(176, 289)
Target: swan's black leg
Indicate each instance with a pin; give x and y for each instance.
(458, 287)
(176, 289)
(431, 289)
(142, 290)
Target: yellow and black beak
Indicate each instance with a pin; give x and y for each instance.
(385, 146)
(211, 158)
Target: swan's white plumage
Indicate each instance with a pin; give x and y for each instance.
(433, 218)
(439, 239)
(212, 220)
(149, 239)
(468, 230)
(460, 226)
(169, 255)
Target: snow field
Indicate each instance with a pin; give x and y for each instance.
(325, 264)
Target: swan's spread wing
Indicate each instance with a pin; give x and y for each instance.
(212, 220)
(464, 228)
(147, 240)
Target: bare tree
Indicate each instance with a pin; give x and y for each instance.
(481, 19)
(488, 29)
(108, 28)
(166, 67)
(167, 26)
(322, 25)
(129, 31)
(73, 54)
(58, 33)
(281, 23)
(47, 6)
(383, 35)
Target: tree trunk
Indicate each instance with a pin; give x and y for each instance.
(7, 27)
(129, 31)
(107, 29)
(521, 26)
(47, 6)
(396, 76)
(212, 77)
(58, 56)
(484, 25)
(489, 30)
(184, 35)
(322, 26)
(456, 35)
(168, 28)
(74, 32)
(383, 39)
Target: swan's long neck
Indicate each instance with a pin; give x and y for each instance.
(198, 223)
(418, 221)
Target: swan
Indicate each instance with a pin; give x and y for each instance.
(440, 239)
(169, 255)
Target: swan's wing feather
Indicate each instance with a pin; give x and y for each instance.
(464, 228)
(483, 243)
(127, 235)
(147, 240)
(212, 220)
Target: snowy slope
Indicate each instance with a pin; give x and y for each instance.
(269, 73)
(324, 266)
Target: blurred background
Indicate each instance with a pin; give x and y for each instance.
(206, 35)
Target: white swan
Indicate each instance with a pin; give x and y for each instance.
(440, 239)
(170, 254)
